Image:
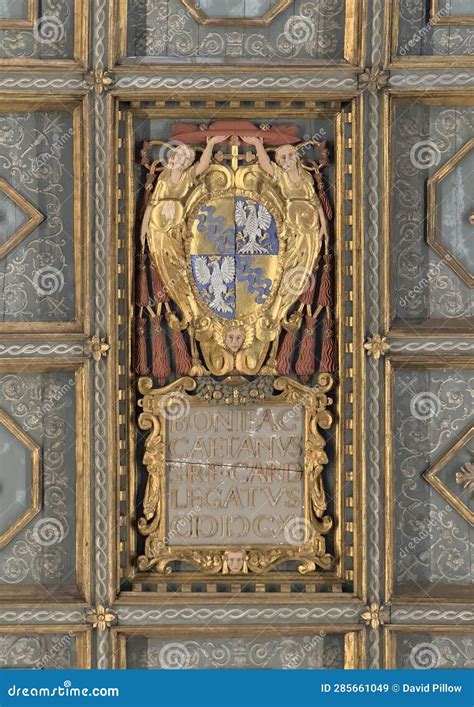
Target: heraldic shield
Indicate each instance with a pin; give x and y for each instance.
(234, 255)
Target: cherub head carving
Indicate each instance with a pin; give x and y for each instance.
(234, 339)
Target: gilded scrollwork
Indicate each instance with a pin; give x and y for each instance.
(309, 555)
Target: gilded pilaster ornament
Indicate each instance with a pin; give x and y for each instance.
(96, 347)
(377, 346)
(102, 618)
(374, 615)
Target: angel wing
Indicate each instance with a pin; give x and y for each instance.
(264, 218)
(202, 272)
(228, 270)
(240, 213)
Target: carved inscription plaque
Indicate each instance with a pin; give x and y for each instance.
(234, 475)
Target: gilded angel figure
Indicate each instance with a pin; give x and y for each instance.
(164, 209)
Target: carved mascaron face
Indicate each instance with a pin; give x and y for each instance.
(234, 339)
(235, 560)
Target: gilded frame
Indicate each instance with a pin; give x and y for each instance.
(35, 504)
(392, 364)
(350, 327)
(393, 60)
(82, 634)
(22, 23)
(436, 244)
(80, 42)
(448, 19)
(206, 20)
(79, 108)
(81, 591)
(390, 637)
(311, 554)
(355, 31)
(435, 328)
(354, 637)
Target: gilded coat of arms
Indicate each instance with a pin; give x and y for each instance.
(237, 300)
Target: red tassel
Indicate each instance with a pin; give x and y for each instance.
(323, 197)
(140, 343)
(285, 354)
(182, 359)
(142, 285)
(160, 361)
(159, 292)
(307, 296)
(328, 354)
(325, 289)
(306, 363)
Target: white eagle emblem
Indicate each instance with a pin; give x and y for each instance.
(252, 222)
(218, 277)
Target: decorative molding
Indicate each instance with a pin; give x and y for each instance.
(430, 80)
(218, 83)
(411, 614)
(373, 378)
(433, 346)
(41, 349)
(39, 616)
(238, 614)
(101, 411)
(40, 83)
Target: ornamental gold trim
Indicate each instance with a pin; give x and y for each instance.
(258, 559)
(35, 505)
